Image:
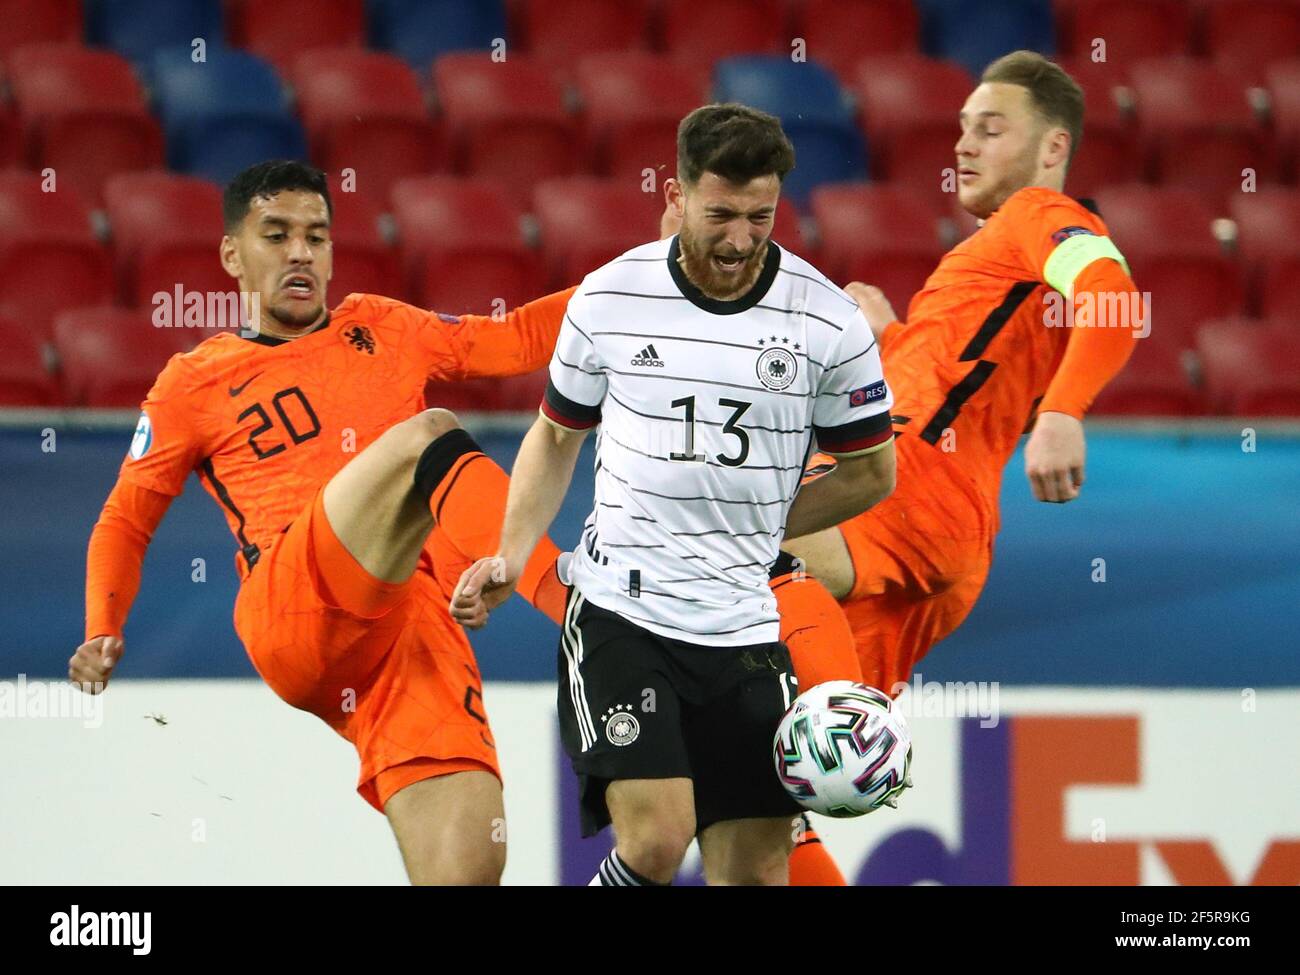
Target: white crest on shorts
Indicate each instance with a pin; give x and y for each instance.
(621, 725)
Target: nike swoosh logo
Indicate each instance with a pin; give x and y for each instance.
(236, 390)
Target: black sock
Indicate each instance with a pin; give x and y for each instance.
(439, 458)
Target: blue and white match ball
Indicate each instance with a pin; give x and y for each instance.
(843, 749)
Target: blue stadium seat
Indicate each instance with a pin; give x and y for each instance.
(813, 111)
(138, 28)
(223, 113)
(975, 32)
(225, 144)
(421, 30)
(788, 89)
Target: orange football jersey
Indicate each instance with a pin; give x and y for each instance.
(265, 422)
(976, 354)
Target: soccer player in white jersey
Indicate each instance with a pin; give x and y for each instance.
(712, 361)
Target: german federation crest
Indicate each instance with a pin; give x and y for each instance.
(621, 726)
(777, 368)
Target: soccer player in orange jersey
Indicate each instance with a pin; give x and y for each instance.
(354, 508)
(982, 357)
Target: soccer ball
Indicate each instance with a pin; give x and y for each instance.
(843, 749)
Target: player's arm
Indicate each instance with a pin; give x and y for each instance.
(113, 559)
(541, 477)
(543, 469)
(859, 481)
(1084, 266)
(851, 421)
(875, 308)
(480, 346)
(164, 450)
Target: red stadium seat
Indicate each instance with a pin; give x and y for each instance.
(909, 106)
(1284, 98)
(1167, 237)
(84, 114)
(279, 31)
(1107, 90)
(632, 103)
(1106, 156)
(110, 356)
(787, 230)
(1251, 368)
(38, 22)
(11, 138)
(862, 223)
(907, 90)
(26, 377)
(1152, 220)
(1154, 382)
(706, 30)
(560, 31)
(462, 245)
(1243, 36)
(1268, 222)
(49, 253)
(364, 261)
(840, 33)
(58, 79)
(166, 229)
(1131, 29)
(365, 111)
(1276, 295)
(588, 221)
(507, 121)
(1197, 124)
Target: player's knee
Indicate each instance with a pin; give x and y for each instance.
(656, 847)
(434, 423)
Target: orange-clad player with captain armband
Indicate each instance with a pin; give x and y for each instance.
(355, 511)
(984, 355)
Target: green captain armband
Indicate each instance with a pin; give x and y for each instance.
(1074, 254)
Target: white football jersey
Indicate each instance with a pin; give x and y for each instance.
(707, 411)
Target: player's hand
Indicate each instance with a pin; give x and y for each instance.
(483, 587)
(92, 665)
(1054, 458)
(876, 308)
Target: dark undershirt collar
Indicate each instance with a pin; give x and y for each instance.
(262, 339)
(736, 305)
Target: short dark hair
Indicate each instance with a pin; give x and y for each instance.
(1055, 95)
(267, 179)
(737, 142)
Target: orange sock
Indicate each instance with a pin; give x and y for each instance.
(811, 865)
(469, 504)
(816, 630)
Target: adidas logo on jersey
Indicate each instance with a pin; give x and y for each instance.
(648, 357)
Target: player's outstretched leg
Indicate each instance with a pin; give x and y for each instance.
(373, 504)
(451, 829)
(654, 823)
(750, 852)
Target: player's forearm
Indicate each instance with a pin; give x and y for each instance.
(116, 553)
(538, 483)
(1109, 317)
(519, 343)
(857, 484)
